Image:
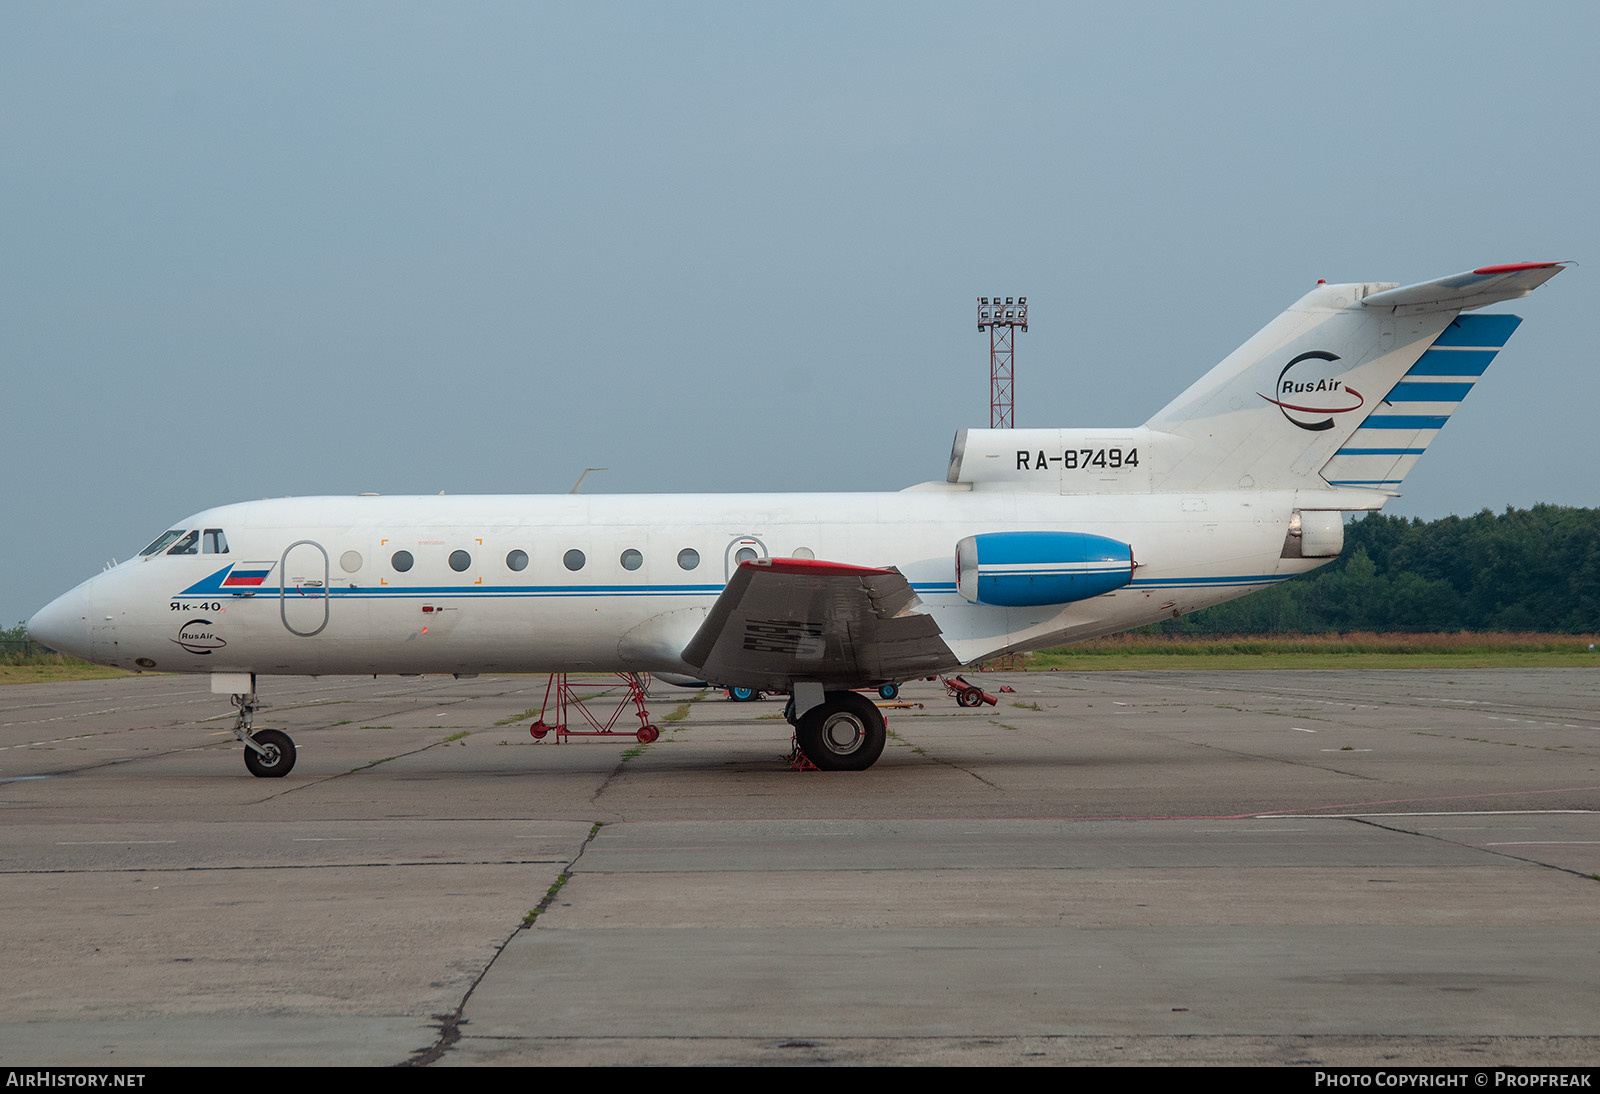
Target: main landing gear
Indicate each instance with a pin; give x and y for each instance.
(845, 732)
(268, 753)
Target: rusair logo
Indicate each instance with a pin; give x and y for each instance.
(1309, 396)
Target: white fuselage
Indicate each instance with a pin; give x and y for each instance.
(332, 601)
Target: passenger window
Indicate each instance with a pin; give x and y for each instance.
(162, 542)
(688, 558)
(459, 561)
(401, 561)
(631, 559)
(188, 545)
(573, 559)
(745, 554)
(517, 560)
(214, 543)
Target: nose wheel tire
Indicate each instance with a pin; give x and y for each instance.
(275, 760)
(845, 733)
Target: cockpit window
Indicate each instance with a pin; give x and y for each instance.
(214, 542)
(188, 545)
(162, 541)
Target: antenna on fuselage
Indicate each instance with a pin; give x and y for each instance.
(579, 484)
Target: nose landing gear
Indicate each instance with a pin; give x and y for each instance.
(268, 753)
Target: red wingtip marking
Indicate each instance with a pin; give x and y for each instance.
(1513, 267)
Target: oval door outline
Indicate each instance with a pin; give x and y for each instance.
(302, 594)
(730, 560)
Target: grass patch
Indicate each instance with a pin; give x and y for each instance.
(61, 670)
(678, 715)
(549, 898)
(1321, 651)
(24, 661)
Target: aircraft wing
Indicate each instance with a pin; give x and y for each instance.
(780, 620)
(1465, 291)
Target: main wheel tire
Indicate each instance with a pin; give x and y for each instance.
(970, 698)
(889, 691)
(845, 733)
(277, 759)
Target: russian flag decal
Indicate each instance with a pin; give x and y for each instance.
(238, 577)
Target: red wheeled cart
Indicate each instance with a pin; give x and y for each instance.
(966, 694)
(567, 699)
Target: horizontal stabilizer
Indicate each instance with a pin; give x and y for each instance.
(1465, 291)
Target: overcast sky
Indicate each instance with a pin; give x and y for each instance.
(251, 250)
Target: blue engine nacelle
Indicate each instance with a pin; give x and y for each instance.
(1034, 569)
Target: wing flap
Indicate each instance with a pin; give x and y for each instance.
(782, 620)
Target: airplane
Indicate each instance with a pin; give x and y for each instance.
(1034, 538)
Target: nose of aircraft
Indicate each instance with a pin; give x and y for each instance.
(63, 624)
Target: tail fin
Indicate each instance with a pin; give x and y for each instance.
(1386, 445)
(1353, 381)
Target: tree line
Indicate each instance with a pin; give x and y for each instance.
(1532, 569)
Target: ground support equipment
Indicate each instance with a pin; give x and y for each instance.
(967, 694)
(568, 700)
(798, 760)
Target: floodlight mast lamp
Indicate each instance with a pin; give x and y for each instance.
(1002, 318)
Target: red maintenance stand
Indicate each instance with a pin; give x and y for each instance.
(567, 700)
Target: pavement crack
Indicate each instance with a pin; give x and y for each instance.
(1474, 847)
(895, 738)
(450, 1024)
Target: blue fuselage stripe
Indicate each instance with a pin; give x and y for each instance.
(533, 592)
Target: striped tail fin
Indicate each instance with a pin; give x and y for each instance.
(1383, 449)
(1297, 405)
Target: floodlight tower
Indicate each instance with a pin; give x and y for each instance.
(1002, 321)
